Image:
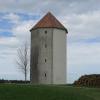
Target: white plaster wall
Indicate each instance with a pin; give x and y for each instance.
(45, 53)
(55, 54)
(59, 56)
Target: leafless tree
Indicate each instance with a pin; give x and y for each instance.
(23, 59)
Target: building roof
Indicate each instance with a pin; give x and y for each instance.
(49, 21)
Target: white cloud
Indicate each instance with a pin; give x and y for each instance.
(22, 29)
(41, 6)
(82, 27)
(12, 17)
(8, 41)
(83, 58)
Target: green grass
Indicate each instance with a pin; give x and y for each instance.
(42, 92)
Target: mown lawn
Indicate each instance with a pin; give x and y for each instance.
(42, 92)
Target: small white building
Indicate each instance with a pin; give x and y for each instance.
(48, 51)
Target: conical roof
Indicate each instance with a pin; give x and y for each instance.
(49, 21)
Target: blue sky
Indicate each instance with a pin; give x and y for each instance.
(80, 17)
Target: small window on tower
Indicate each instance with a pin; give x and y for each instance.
(45, 74)
(45, 45)
(45, 32)
(45, 60)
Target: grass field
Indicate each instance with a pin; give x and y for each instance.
(41, 92)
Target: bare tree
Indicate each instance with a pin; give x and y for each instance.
(23, 59)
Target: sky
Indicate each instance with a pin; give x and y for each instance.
(80, 17)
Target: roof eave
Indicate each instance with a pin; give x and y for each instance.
(49, 27)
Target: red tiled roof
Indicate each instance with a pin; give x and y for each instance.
(49, 21)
